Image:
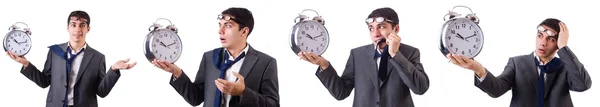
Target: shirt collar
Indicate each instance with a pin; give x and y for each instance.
(243, 51)
(82, 48)
(542, 63)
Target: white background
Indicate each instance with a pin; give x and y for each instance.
(118, 29)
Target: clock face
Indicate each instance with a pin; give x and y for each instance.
(463, 36)
(311, 36)
(165, 45)
(17, 42)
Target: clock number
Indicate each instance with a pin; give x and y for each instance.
(176, 47)
(476, 39)
(7, 40)
(311, 50)
(321, 44)
(475, 32)
(299, 37)
(175, 52)
(156, 40)
(154, 45)
(303, 32)
(464, 25)
(470, 51)
(306, 28)
(302, 44)
(453, 31)
(323, 39)
(470, 27)
(448, 37)
(451, 45)
(306, 48)
(463, 52)
(165, 35)
(312, 26)
(455, 49)
(10, 37)
(475, 46)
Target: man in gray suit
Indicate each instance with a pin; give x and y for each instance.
(539, 79)
(75, 72)
(382, 72)
(235, 75)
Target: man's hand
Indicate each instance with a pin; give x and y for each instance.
(20, 59)
(393, 41)
(232, 88)
(314, 59)
(169, 67)
(467, 63)
(122, 64)
(563, 35)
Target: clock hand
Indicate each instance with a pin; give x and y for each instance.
(172, 44)
(23, 42)
(460, 36)
(308, 35)
(319, 36)
(471, 36)
(17, 41)
(163, 44)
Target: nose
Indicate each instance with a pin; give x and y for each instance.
(543, 42)
(376, 31)
(221, 30)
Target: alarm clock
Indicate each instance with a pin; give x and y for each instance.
(309, 34)
(461, 34)
(162, 43)
(18, 40)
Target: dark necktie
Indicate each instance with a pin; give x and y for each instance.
(57, 50)
(382, 63)
(549, 67)
(223, 66)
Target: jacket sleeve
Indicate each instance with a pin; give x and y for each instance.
(411, 71)
(42, 78)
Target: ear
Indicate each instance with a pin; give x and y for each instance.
(245, 31)
(397, 28)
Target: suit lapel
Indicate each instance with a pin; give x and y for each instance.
(87, 58)
(249, 61)
(532, 70)
(550, 77)
(372, 64)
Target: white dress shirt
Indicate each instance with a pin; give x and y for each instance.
(234, 68)
(538, 69)
(74, 71)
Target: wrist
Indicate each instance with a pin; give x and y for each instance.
(480, 72)
(177, 73)
(25, 64)
(324, 64)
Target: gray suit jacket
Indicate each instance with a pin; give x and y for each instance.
(92, 78)
(405, 72)
(260, 75)
(521, 75)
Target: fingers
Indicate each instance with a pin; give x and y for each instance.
(219, 85)
(12, 56)
(129, 66)
(460, 59)
(240, 77)
(224, 85)
(452, 59)
(126, 60)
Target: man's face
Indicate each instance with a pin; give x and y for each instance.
(380, 29)
(546, 41)
(78, 28)
(229, 31)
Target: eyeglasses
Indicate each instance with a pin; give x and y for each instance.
(377, 19)
(225, 17)
(541, 29)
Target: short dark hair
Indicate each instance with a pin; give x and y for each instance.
(79, 14)
(242, 16)
(387, 13)
(553, 24)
